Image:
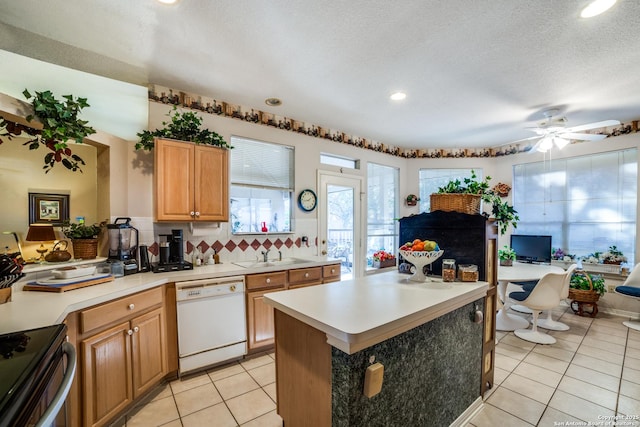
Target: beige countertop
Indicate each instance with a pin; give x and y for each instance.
(31, 309)
(356, 314)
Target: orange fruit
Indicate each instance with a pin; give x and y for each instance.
(418, 247)
(416, 241)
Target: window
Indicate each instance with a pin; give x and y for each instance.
(382, 229)
(343, 162)
(261, 186)
(432, 179)
(585, 203)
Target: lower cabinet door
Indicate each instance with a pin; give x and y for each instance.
(148, 350)
(106, 374)
(260, 322)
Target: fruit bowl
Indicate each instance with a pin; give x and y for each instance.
(419, 259)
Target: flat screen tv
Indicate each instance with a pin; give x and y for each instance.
(531, 248)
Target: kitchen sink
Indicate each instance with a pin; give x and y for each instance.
(271, 263)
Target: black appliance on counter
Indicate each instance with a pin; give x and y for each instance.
(33, 380)
(172, 254)
(123, 244)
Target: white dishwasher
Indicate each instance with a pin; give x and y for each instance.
(211, 322)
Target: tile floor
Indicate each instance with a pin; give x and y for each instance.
(591, 375)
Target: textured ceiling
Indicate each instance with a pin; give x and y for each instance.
(476, 72)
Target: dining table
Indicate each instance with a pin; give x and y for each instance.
(517, 272)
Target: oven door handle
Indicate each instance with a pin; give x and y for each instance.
(52, 411)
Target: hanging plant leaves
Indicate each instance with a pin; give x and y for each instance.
(60, 123)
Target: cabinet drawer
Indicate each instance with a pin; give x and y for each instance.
(304, 275)
(125, 307)
(267, 280)
(331, 273)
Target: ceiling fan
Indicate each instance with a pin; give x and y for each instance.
(552, 130)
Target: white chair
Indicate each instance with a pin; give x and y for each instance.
(544, 296)
(547, 322)
(631, 288)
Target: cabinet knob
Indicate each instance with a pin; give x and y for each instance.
(232, 288)
(129, 332)
(136, 329)
(333, 270)
(268, 280)
(197, 214)
(306, 274)
(131, 306)
(324, 252)
(192, 213)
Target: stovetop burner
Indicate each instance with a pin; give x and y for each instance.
(13, 343)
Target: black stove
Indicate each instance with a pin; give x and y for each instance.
(28, 361)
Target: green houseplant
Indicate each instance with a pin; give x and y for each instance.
(84, 238)
(183, 126)
(506, 255)
(60, 123)
(580, 282)
(504, 214)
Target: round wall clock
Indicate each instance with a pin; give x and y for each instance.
(307, 200)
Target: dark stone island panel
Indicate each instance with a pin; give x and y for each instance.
(432, 374)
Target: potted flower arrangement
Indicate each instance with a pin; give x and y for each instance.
(84, 238)
(613, 256)
(584, 281)
(506, 255)
(560, 255)
(382, 259)
(465, 197)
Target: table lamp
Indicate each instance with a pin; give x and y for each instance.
(41, 233)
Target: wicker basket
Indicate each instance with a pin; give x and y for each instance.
(583, 295)
(465, 203)
(85, 248)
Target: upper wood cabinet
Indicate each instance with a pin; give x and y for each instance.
(191, 182)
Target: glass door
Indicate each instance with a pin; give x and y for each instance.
(339, 221)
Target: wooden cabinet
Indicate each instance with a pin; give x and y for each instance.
(302, 277)
(260, 323)
(191, 182)
(331, 273)
(122, 357)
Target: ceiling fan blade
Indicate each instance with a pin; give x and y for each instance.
(531, 138)
(602, 124)
(582, 136)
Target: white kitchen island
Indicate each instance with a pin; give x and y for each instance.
(423, 334)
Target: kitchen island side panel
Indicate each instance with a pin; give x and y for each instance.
(431, 375)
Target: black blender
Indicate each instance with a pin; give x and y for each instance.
(122, 247)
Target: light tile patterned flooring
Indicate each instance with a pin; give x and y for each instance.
(591, 375)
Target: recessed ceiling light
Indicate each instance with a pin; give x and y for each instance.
(398, 96)
(168, 1)
(273, 102)
(596, 7)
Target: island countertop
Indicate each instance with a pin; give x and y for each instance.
(356, 314)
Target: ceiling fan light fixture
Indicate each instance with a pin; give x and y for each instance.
(596, 7)
(560, 142)
(545, 144)
(398, 96)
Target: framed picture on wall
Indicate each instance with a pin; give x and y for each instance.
(48, 208)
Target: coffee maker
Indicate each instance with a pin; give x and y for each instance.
(171, 254)
(122, 245)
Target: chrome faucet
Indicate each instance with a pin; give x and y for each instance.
(265, 255)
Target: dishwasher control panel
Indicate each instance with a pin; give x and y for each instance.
(208, 288)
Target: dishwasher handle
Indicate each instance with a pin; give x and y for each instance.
(53, 409)
(209, 282)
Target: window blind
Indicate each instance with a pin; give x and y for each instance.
(261, 164)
